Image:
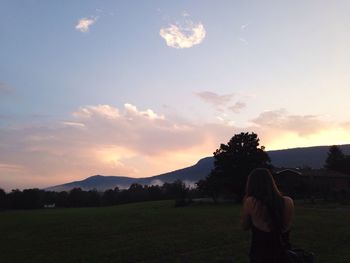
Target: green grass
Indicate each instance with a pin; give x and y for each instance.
(158, 232)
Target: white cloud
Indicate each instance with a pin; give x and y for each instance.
(178, 36)
(85, 23)
(105, 111)
(243, 40)
(244, 27)
(150, 114)
(73, 124)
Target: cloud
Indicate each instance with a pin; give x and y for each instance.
(103, 111)
(103, 139)
(85, 23)
(237, 107)
(303, 125)
(244, 27)
(5, 89)
(243, 40)
(149, 114)
(128, 141)
(183, 36)
(214, 98)
(221, 103)
(74, 124)
(143, 131)
(10, 167)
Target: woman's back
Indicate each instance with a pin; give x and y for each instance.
(269, 215)
(266, 245)
(256, 213)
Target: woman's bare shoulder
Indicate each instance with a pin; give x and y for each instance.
(248, 202)
(249, 199)
(288, 200)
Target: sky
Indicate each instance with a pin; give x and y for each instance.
(138, 88)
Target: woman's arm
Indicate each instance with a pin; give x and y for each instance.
(246, 220)
(289, 214)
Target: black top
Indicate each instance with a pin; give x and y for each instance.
(268, 247)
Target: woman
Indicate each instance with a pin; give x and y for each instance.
(269, 216)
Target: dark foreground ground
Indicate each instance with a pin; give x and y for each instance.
(158, 232)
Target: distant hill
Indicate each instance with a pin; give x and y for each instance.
(189, 175)
(313, 157)
(98, 182)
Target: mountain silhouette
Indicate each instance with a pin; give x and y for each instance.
(313, 157)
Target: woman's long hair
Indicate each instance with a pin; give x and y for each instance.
(262, 187)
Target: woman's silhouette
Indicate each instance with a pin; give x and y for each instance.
(269, 215)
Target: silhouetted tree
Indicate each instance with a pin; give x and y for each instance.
(109, 197)
(2, 199)
(233, 163)
(61, 199)
(210, 186)
(15, 199)
(336, 159)
(175, 190)
(77, 197)
(32, 198)
(154, 192)
(94, 198)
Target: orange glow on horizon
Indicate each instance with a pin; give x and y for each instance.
(324, 138)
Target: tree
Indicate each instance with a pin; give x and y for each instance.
(233, 163)
(2, 199)
(109, 197)
(77, 197)
(175, 190)
(93, 198)
(335, 159)
(210, 186)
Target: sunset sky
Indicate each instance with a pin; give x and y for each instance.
(138, 88)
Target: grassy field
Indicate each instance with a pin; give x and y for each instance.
(158, 232)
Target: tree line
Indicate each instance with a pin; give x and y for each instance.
(232, 164)
(37, 198)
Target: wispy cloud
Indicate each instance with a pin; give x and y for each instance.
(5, 89)
(85, 23)
(221, 103)
(244, 27)
(103, 111)
(73, 124)
(242, 38)
(237, 107)
(184, 35)
(214, 98)
(10, 167)
(303, 125)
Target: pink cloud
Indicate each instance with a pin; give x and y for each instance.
(128, 141)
